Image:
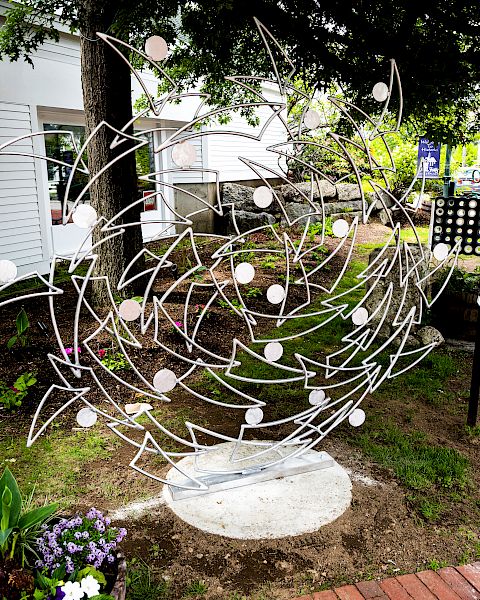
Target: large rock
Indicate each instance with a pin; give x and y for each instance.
(430, 335)
(241, 196)
(291, 193)
(348, 191)
(246, 220)
(381, 199)
(343, 207)
(413, 295)
(296, 211)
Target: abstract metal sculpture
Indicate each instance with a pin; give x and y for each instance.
(334, 384)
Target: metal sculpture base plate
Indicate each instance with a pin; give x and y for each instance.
(295, 497)
(249, 476)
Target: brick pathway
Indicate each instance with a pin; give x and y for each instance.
(461, 583)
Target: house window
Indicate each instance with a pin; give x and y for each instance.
(60, 146)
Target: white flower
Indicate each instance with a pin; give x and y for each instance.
(72, 591)
(90, 586)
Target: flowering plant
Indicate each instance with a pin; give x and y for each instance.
(78, 542)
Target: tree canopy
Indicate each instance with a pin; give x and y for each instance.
(349, 43)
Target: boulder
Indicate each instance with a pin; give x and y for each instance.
(343, 207)
(380, 199)
(239, 195)
(291, 193)
(385, 216)
(413, 295)
(296, 211)
(430, 335)
(348, 191)
(246, 220)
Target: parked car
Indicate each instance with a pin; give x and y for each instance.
(467, 179)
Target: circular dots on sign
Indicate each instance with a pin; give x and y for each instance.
(438, 229)
(461, 203)
(477, 250)
(263, 196)
(86, 417)
(472, 204)
(130, 310)
(312, 119)
(340, 228)
(316, 397)
(275, 294)
(244, 273)
(440, 202)
(451, 203)
(440, 212)
(85, 216)
(184, 155)
(460, 221)
(380, 91)
(461, 212)
(471, 213)
(273, 351)
(8, 271)
(360, 316)
(437, 238)
(468, 249)
(357, 417)
(254, 416)
(164, 380)
(440, 252)
(156, 48)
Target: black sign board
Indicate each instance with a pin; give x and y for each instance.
(457, 218)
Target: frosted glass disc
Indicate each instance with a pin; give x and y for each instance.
(275, 294)
(357, 417)
(316, 397)
(130, 310)
(263, 196)
(380, 91)
(440, 252)
(86, 417)
(164, 380)
(184, 155)
(360, 316)
(254, 416)
(340, 228)
(85, 216)
(273, 351)
(312, 119)
(244, 273)
(8, 271)
(156, 48)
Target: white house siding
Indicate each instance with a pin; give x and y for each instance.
(23, 235)
(224, 150)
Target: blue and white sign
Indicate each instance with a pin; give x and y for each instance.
(428, 158)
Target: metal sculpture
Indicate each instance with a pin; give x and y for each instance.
(334, 385)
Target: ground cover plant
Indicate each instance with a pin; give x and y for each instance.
(416, 500)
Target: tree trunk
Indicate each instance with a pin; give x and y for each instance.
(107, 97)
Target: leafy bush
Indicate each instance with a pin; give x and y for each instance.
(460, 281)
(11, 397)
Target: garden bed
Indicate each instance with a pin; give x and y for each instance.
(415, 488)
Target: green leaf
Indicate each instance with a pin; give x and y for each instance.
(6, 505)
(89, 570)
(22, 322)
(4, 533)
(8, 480)
(37, 515)
(11, 342)
(39, 594)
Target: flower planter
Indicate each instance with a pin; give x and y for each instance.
(119, 589)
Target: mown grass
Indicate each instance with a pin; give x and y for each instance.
(56, 462)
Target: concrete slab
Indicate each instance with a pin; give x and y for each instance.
(277, 508)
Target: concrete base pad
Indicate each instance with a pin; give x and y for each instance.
(288, 506)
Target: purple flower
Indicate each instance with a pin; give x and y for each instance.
(85, 535)
(59, 594)
(110, 558)
(99, 526)
(79, 534)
